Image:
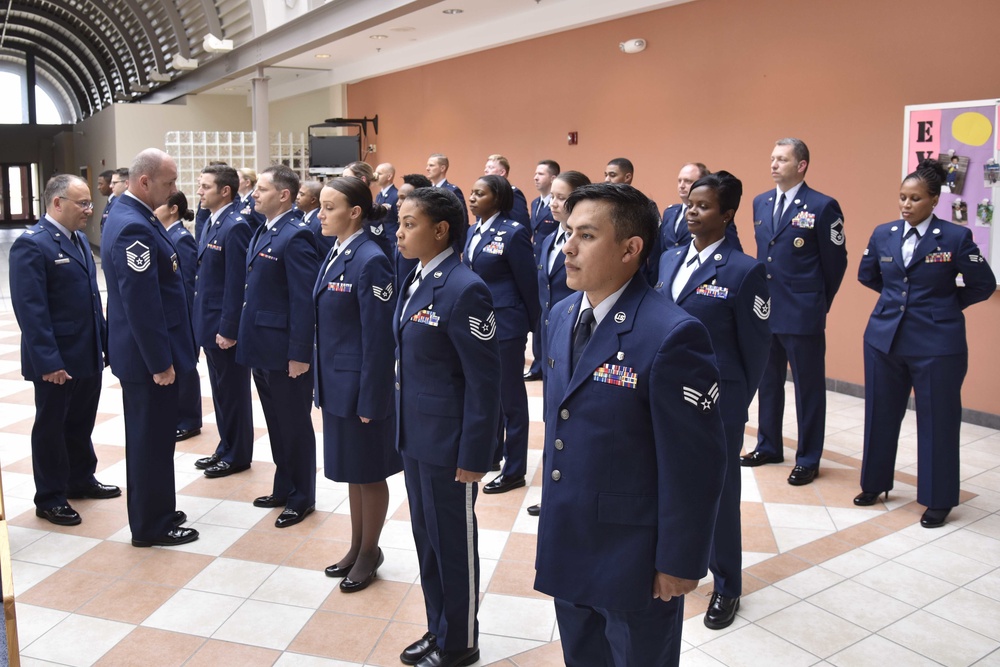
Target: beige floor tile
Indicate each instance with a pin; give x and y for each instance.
(77, 640)
(147, 646)
(216, 653)
(382, 599)
(264, 547)
(168, 567)
(340, 636)
(66, 590)
(127, 601)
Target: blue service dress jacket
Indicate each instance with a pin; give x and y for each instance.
(805, 257)
(552, 286)
(391, 217)
(247, 207)
(448, 370)
(673, 235)
(728, 294)
(149, 323)
(221, 276)
(355, 301)
(634, 452)
(919, 309)
(279, 316)
(505, 261)
(57, 304)
(543, 225)
(187, 256)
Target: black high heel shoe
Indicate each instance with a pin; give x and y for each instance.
(864, 499)
(349, 586)
(337, 572)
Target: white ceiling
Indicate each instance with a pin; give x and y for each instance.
(428, 35)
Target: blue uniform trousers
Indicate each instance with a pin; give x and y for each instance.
(446, 533)
(150, 423)
(807, 356)
(536, 351)
(937, 385)
(726, 558)
(512, 438)
(62, 453)
(230, 383)
(287, 406)
(189, 400)
(592, 636)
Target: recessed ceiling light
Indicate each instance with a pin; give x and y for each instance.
(229, 89)
(322, 56)
(452, 12)
(378, 36)
(403, 28)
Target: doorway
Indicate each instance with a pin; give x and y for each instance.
(19, 202)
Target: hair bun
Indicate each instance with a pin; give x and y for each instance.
(933, 166)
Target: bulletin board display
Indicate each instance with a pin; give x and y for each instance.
(963, 137)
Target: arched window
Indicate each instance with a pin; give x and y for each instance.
(49, 110)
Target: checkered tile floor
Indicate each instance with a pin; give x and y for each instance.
(825, 582)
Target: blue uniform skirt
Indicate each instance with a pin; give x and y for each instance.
(358, 453)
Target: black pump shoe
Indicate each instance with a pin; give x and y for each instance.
(350, 586)
(864, 499)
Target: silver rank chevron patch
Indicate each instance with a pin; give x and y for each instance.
(703, 402)
(761, 308)
(382, 293)
(137, 257)
(483, 329)
(377, 231)
(976, 258)
(837, 232)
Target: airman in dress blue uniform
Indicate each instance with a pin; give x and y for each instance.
(437, 172)
(634, 447)
(150, 343)
(53, 289)
(543, 225)
(800, 241)
(916, 340)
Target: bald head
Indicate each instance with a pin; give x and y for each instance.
(385, 173)
(153, 177)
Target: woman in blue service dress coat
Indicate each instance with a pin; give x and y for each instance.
(726, 289)
(355, 301)
(499, 250)
(447, 410)
(916, 340)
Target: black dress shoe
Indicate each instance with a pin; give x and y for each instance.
(178, 518)
(207, 462)
(96, 491)
(290, 517)
(802, 475)
(503, 484)
(224, 469)
(532, 377)
(348, 585)
(864, 499)
(337, 572)
(185, 434)
(173, 538)
(269, 501)
(721, 612)
(934, 518)
(441, 658)
(535, 510)
(416, 651)
(62, 515)
(759, 458)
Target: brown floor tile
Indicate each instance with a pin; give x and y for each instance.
(112, 559)
(251, 489)
(264, 547)
(380, 600)
(752, 584)
(502, 663)
(396, 637)
(753, 514)
(822, 550)
(105, 416)
(896, 519)
(402, 513)
(339, 636)
(513, 577)
(66, 590)
(549, 655)
(169, 568)
(778, 568)
(227, 654)
(695, 605)
(12, 375)
(11, 356)
(498, 517)
(203, 443)
(22, 427)
(108, 455)
(520, 546)
(315, 554)
(96, 523)
(147, 646)
(221, 488)
(301, 530)
(25, 397)
(511, 499)
(863, 533)
(780, 491)
(128, 601)
(412, 609)
(334, 527)
(906, 478)
(22, 467)
(759, 539)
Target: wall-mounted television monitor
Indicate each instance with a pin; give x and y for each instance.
(333, 152)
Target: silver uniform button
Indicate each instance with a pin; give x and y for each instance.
(397, 386)
(556, 475)
(558, 444)
(902, 307)
(564, 414)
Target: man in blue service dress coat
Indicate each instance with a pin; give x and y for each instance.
(542, 226)
(634, 447)
(276, 341)
(387, 198)
(437, 172)
(218, 307)
(150, 343)
(800, 241)
(53, 289)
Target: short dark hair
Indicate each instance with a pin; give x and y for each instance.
(122, 172)
(931, 173)
(703, 171)
(728, 190)
(358, 194)
(283, 178)
(632, 213)
(224, 176)
(417, 181)
(623, 163)
(574, 179)
(551, 165)
(799, 148)
(441, 204)
(58, 186)
(502, 192)
(107, 174)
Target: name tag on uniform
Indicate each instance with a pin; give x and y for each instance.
(338, 287)
(938, 257)
(64, 260)
(885, 259)
(494, 248)
(804, 220)
(428, 317)
(714, 291)
(620, 376)
(214, 246)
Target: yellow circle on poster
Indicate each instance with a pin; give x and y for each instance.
(972, 129)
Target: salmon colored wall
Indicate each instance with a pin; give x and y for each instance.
(719, 82)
